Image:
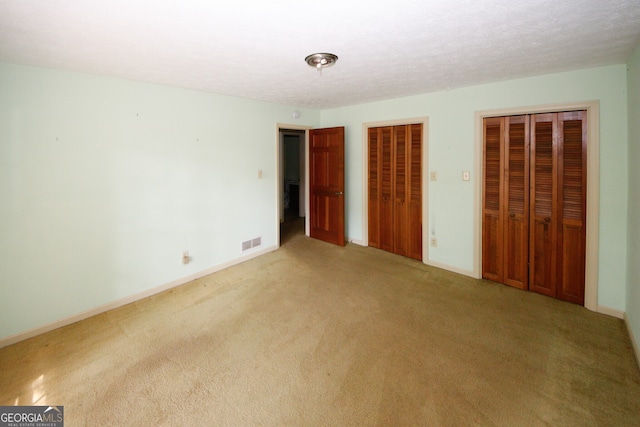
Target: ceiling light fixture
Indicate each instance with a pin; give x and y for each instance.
(321, 60)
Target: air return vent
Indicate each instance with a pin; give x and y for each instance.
(249, 244)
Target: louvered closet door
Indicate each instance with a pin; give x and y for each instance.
(395, 189)
(506, 200)
(492, 183)
(375, 194)
(544, 204)
(572, 239)
(407, 214)
(381, 181)
(558, 211)
(387, 183)
(415, 192)
(516, 201)
(534, 203)
(400, 217)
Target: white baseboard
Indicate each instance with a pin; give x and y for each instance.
(610, 311)
(12, 339)
(634, 343)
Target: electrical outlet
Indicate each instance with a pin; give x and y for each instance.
(434, 176)
(185, 257)
(434, 242)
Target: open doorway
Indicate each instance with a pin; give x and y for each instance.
(292, 184)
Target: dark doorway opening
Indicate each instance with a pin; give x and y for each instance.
(292, 178)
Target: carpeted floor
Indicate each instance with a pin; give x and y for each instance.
(315, 334)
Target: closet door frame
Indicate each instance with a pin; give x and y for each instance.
(424, 174)
(593, 187)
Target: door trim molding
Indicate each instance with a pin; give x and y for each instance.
(425, 172)
(593, 187)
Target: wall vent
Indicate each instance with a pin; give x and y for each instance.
(248, 244)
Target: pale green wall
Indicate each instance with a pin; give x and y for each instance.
(104, 182)
(451, 151)
(633, 227)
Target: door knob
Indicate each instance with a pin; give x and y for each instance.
(337, 193)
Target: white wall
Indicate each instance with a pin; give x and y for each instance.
(451, 148)
(633, 227)
(105, 182)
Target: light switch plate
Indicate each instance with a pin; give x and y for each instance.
(466, 176)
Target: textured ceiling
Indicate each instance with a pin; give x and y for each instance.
(256, 49)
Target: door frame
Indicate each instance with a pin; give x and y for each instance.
(425, 173)
(593, 189)
(279, 181)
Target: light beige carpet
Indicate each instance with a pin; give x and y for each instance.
(315, 334)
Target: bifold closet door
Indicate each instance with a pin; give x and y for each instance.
(516, 202)
(534, 203)
(414, 192)
(492, 189)
(380, 188)
(395, 189)
(407, 190)
(558, 206)
(505, 224)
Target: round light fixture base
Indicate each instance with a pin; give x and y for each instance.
(321, 60)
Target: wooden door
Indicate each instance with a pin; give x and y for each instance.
(414, 192)
(387, 181)
(326, 186)
(374, 182)
(395, 189)
(493, 190)
(381, 181)
(516, 201)
(558, 210)
(534, 204)
(505, 224)
(399, 191)
(544, 204)
(572, 193)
